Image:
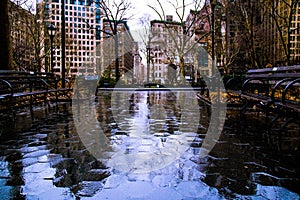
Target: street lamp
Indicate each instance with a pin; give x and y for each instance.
(51, 32)
(213, 4)
(148, 61)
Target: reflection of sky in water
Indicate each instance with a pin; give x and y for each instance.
(155, 128)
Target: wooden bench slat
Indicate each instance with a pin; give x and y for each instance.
(262, 85)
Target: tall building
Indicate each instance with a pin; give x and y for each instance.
(82, 23)
(127, 50)
(288, 19)
(198, 26)
(266, 32)
(163, 50)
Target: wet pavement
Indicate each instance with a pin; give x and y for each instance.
(45, 157)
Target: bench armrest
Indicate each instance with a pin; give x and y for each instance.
(249, 80)
(287, 88)
(8, 85)
(277, 85)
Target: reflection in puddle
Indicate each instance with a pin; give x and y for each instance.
(45, 156)
(152, 129)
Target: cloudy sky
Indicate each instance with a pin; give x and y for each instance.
(141, 8)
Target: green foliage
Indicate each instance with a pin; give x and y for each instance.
(106, 81)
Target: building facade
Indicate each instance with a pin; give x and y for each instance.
(163, 52)
(288, 19)
(122, 45)
(23, 36)
(198, 28)
(82, 21)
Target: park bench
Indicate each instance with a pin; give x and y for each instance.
(22, 89)
(269, 87)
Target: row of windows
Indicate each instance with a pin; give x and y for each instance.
(81, 36)
(67, 13)
(74, 59)
(88, 54)
(80, 3)
(71, 19)
(158, 75)
(158, 68)
(74, 48)
(158, 61)
(295, 51)
(74, 33)
(79, 28)
(295, 38)
(295, 45)
(296, 17)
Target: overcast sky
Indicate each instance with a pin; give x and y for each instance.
(141, 8)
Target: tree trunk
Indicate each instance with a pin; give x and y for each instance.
(5, 47)
(182, 72)
(117, 58)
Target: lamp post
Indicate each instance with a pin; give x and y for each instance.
(51, 32)
(134, 66)
(148, 61)
(213, 4)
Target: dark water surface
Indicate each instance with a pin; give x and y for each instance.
(144, 145)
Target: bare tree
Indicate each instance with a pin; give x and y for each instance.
(115, 13)
(146, 37)
(244, 19)
(282, 13)
(28, 48)
(181, 41)
(228, 38)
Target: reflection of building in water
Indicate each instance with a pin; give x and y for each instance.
(104, 114)
(133, 102)
(165, 105)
